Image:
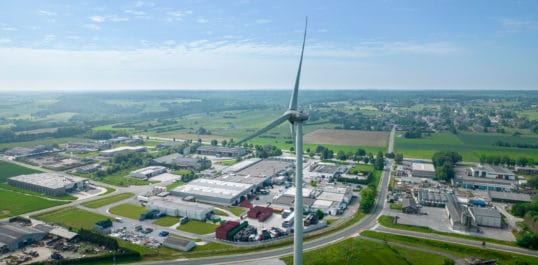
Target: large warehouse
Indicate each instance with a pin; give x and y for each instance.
(177, 207)
(215, 191)
(13, 236)
(55, 184)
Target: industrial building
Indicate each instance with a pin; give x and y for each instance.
(220, 151)
(177, 207)
(266, 168)
(147, 172)
(456, 214)
(55, 184)
(326, 170)
(409, 206)
(491, 172)
(259, 212)
(229, 229)
(241, 165)
(509, 197)
(434, 198)
(87, 169)
(484, 216)
(85, 147)
(327, 207)
(18, 152)
(179, 243)
(13, 237)
(123, 149)
(422, 170)
(256, 181)
(527, 170)
(285, 201)
(215, 191)
(177, 160)
(485, 183)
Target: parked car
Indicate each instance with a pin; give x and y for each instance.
(164, 233)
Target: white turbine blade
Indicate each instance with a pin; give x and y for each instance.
(272, 125)
(293, 100)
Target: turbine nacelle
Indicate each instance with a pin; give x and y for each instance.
(296, 115)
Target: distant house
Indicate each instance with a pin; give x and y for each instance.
(527, 170)
(409, 206)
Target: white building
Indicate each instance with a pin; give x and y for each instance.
(215, 191)
(123, 149)
(323, 170)
(484, 216)
(55, 184)
(423, 170)
(491, 172)
(147, 172)
(179, 208)
(179, 243)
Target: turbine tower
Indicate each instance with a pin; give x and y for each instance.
(296, 118)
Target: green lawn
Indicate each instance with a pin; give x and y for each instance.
(72, 217)
(122, 179)
(174, 185)
(14, 203)
(455, 249)
(469, 145)
(198, 227)
(128, 210)
(228, 162)
(238, 211)
(108, 190)
(107, 200)
(8, 170)
(395, 206)
(219, 212)
(181, 172)
(167, 221)
(387, 221)
(361, 251)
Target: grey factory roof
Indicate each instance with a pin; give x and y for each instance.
(485, 211)
(218, 149)
(173, 203)
(468, 179)
(288, 200)
(329, 169)
(492, 168)
(214, 188)
(10, 233)
(177, 241)
(422, 167)
(267, 167)
(49, 180)
(510, 196)
(253, 180)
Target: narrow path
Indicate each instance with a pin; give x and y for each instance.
(391, 139)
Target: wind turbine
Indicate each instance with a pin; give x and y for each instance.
(296, 118)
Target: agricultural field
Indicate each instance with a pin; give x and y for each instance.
(347, 137)
(107, 200)
(71, 217)
(128, 210)
(8, 170)
(14, 203)
(362, 251)
(469, 145)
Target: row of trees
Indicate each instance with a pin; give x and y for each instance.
(517, 145)
(506, 160)
(444, 163)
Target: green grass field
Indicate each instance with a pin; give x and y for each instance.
(469, 145)
(167, 221)
(14, 203)
(107, 200)
(174, 185)
(128, 210)
(238, 211)
(8, 170)
(365, 252)
(72, 217)
(122, 179)
(8, 187)
(455, 249)
(198, 227)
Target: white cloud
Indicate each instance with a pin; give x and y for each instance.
(5, 41)
(98, 19)
(177, 15)
(135, 12)
(9, 29)
(138, 3)
(46, 13)
(201, 20)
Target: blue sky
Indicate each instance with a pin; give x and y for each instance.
(242, 44)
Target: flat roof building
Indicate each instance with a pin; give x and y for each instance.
(485, 183)
(491, 172)
(179, 161)
(484, 216)
(220, 151)
(433, 198)
(55, 184)
(178, 207)
(13, 237)
(422, 170)
(257, 181)
(527, 170)
(215, 191)
(266, 168)
(122, 149)
(510, 197)
(179, 243)
(147, 172)
(322, 170)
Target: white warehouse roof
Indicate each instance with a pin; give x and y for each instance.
(214, 188)
(49, 180)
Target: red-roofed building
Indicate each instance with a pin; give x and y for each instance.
(259, 212)
(223, 230)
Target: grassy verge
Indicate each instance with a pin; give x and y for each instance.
(457, 250)
(128, 210)
(198, 227)
(13, 203)
(395, 206)
(238, 211)
(362, 251)
(387, 221)
(108, 191)
(174, 185)
(8, 170)
(167, 221)
(108, 200)
(71, 217)
(228, 162)
(220, 212)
